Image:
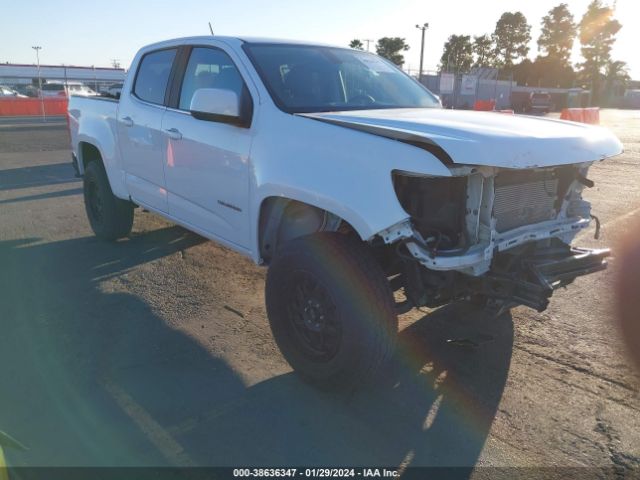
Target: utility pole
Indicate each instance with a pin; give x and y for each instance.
(37, 49)
(368, 42)
(422, 27)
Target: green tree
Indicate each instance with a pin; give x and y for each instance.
(545, 71)
(457, 55)
(617, 71)
(558, 33)
(356, 44)
(484, 51)
(598, 31)
(554, 72)
(391, 48)
(511, 37)
(617, 76)
(523, 73)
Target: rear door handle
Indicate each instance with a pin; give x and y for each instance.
(127, 121)
(174, 133)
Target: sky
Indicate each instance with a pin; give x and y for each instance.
(79, 33)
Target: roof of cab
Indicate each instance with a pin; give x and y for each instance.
(232, 40)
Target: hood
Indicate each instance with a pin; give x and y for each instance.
(484, 138)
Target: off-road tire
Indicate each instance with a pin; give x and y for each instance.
(110, 217)
(356, 299)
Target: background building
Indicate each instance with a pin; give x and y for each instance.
(95, 77)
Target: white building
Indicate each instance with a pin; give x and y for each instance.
(94, 77)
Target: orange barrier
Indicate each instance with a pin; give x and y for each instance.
(573, 114)
(484, 105)
(591, 115)
(583, 115)
(32, 106)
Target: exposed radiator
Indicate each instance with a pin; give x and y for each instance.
(524, 198)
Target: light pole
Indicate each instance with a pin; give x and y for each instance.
(37, 49)
(422, 27)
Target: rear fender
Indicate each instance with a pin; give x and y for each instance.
(101, 135)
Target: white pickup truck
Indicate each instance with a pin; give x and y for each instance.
(346, 177)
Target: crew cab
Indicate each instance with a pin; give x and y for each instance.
(346, 178)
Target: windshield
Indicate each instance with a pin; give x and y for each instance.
(303, 78)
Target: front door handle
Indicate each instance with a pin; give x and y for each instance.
(174, 133)
(127, 121)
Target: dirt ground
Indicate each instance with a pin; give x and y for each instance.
(156, 350)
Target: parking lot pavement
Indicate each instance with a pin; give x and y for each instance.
(155, 350)
(26, 137)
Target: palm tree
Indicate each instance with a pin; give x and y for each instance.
(616, 78)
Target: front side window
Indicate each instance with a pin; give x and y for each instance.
(153, 76)
(209, 68)
(309, 78)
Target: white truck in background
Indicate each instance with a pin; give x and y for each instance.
(345, 177)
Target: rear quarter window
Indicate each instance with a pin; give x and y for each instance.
(152, 77)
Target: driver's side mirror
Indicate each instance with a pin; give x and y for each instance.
(217, 105)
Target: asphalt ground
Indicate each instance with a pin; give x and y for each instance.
(156, 351)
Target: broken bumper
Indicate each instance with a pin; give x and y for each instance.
(535, 277)
(520, 267)
(477, 259)
(555, 271)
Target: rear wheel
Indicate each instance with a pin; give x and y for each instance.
(110, 217)
(331, 310)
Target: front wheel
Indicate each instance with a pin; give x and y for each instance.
(331, 310)
(110, 217)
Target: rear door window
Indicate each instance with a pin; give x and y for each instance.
(153, 76)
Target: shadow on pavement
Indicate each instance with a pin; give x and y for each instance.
(93, 377)
(43, 196)
(37, 176)
(436, 409)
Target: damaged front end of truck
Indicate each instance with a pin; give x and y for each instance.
(499, 236)
(498, 226)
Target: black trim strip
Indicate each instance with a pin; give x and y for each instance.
(404, 137)
(219, 118)
(177, 74)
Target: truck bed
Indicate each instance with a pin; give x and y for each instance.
(93, 111)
